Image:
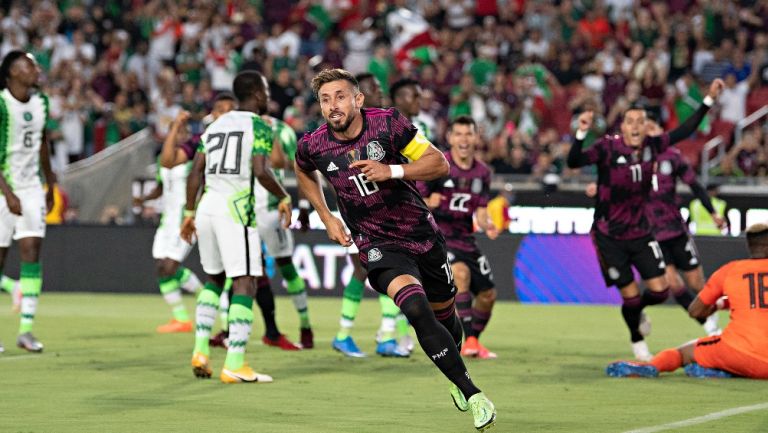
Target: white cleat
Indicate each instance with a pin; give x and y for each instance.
(711, 325)
(640, 349)
(645, 325)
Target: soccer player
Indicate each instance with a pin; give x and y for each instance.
(168, 249)
(24, 154)
(392, 320)
(279, 240)
(233, 154)
(670, 230)
(742, 349)
(406, 97)
(364, 153)
(454, 201)
(621, 231)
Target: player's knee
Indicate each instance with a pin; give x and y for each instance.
(487, 296)
(460, 273)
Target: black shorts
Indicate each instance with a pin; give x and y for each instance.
(432, 269)
(618, 256)
(481, 277)
(680, 252)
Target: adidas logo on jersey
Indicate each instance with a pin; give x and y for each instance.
(449, 184)
(332, 167)
(621, 160)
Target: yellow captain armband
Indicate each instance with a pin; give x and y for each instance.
(189, 213)
(416, 148)
(286, 200)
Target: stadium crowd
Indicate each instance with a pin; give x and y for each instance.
(522, 69)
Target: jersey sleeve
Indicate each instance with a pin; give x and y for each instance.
(595, 152)
(302, 157)
(685, 171)
(287, 137)
(661, 142)
(406, 137)
(714, 288)
(262, 137)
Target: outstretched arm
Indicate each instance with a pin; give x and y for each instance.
(430, 165)
(576, 156)
(50, 176)
(689, 126)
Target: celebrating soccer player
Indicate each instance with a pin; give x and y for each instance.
(621, 231)
(454, 201)
(234, 151)
(24, 154)
(742, 349)
(364, 153)
(671, 231)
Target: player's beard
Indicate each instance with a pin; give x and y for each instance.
(343, 126)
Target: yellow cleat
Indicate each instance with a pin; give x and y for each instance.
(175, 326)
(244, 374)
(200, 366)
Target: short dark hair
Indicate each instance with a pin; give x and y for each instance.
(329, 75)
(463, 120)
(364, 76)
(757, 239)
(5, 66)
(247, 83)
(634, 107)
(224, 96)
(401, 84)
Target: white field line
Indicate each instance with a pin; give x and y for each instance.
(702, 419)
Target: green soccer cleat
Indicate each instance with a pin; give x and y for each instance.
(483, 411)
(458, 398)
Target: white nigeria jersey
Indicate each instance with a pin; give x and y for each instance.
(21, 134)
(174, 181)
(229, 143)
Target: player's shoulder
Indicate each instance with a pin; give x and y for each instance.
(482, 167)
(744, 266)
(317, 135)
(381, 112)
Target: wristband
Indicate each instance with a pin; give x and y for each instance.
(189, 213)
(580, 135)
(397, 171)
(304, 204)
(286, 200)
(708, 101)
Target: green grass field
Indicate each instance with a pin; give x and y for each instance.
(105, 370)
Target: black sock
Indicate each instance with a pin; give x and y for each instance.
(684, 297)
(652, 298)
(447, 317)
(266, 302)
(631, 309)
(464, 310)
(434, 338)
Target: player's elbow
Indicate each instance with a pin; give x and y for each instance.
(442, 168)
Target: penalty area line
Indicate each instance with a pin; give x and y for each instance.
(702, 419)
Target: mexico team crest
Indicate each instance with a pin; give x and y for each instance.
(375, 151)
(374, 255)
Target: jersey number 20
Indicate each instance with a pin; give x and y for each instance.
(224, 140)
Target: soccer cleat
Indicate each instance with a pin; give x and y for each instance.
(348, 347)
(645, 325)
(695, 370)
(471, 347)
(200, 366)
(28, 342)
(640, 349)
(458, 398)
(389, 348)
(281, 342)
(711, 326)
(307, 338)
(244, 374)
(220, 340)
(483, 353)
(175, 326)
(406, 343)
(16, 297)
(631, 369)
(483, 411)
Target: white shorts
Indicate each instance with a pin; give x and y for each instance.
(279, 240)
(228, 247)
(169, 245)
(31, 223)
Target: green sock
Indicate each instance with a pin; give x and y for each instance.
(224, 305)
(402, 324)
(296, 290)
(169, 287)
(350, 304)
(31, 285)
(205, 316)
(388, 313)
(240, 323)
(7, 283)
